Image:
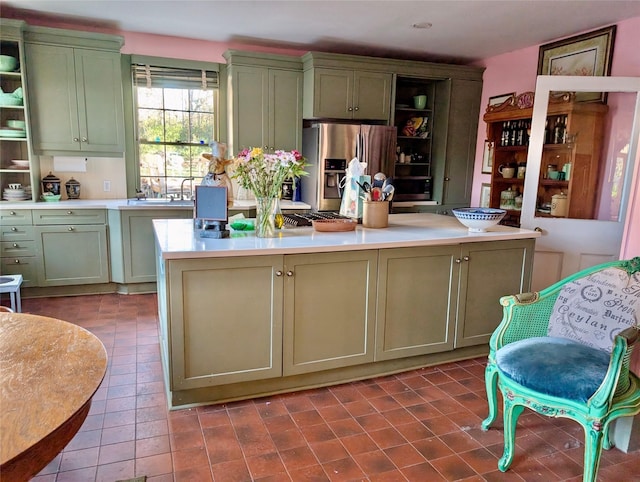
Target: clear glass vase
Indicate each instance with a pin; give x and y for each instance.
(266, 210)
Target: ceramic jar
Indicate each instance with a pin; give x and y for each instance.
(51, 183)
(508, 199)
(559, 205)
(73, 189)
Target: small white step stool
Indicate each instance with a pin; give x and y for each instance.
(10, 283)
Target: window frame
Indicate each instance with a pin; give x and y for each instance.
(131, 114)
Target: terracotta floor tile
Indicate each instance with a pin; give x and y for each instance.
(419, 425)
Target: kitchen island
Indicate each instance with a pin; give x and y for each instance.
(244, 317)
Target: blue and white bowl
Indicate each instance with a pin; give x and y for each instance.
(479, 219)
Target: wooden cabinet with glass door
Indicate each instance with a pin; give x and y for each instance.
(571, 156)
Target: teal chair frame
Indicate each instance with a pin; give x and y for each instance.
(526, 315)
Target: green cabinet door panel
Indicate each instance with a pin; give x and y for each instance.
(489, 271)
(249, 98)
(82, 110)
(72, 254)
(27, 266)
(371, 95)
(329, 310)
(285, 109)
(225, 318)
(464, 111)
(417, 300)
(100, 108)
(132, 249)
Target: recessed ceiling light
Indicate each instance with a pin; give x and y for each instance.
(422, 25)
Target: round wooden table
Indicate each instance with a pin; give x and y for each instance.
(49, 372)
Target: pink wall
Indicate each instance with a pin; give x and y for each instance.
(516, 72)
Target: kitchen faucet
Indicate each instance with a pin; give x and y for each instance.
(182, 186)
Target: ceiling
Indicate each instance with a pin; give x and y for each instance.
(462, 31)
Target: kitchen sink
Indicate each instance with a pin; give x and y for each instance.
(159, 202)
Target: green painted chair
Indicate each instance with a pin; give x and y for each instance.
(565, 352)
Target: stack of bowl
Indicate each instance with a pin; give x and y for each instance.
(14, 128)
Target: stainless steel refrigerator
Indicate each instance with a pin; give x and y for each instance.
(330, 147)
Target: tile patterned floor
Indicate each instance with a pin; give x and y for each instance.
(422, 425)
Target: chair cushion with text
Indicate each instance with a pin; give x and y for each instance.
(593, 309)
(554, 366)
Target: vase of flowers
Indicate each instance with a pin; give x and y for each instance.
(263, 174)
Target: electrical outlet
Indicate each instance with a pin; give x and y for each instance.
(107, 186)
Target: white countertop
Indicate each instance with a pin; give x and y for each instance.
(178, 239)
(122, 205)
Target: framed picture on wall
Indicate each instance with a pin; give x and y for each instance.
(588, 54)
(501, 99)
(485, 195)
(487, 157)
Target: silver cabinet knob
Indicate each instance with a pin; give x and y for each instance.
(447, 179)
(69, 212)
(71, 228)
(289, 273)
(15, 245)
(14, 229)
(278, 273)
(466, 258)
(84, 139)
(458, 260)
(13, 213)
(17, 261)
(75, 139)
(357, 108)
(350, 109)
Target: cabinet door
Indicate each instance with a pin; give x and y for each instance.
(372, 95)
(225, 319)
(285, 109)
(72, 254)
(99, 96)
(26, 266)
(462, 133)
(417, 293)
(333, 93)
(53, 107)
(489, 271)
(329, 310)
(132, 231)
(250, 101)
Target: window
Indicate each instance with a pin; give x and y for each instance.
(177, 119)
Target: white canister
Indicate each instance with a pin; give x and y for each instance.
(559, 205)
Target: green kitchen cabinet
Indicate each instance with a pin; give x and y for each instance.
(264, 101)
(81, 112)
(132, 254)
(462, 122)
(434, 299)
(488, 271)
(329, 310)
(347, 94)
(224, 320)
(417, 295)
(72, 252)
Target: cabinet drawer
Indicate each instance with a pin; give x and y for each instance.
(17, 248)
(26, 266)
(15, 216)
(16, 233)
(69, 216)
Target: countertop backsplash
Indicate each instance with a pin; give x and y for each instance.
(92, 182)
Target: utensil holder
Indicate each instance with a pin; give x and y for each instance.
(375, 214)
